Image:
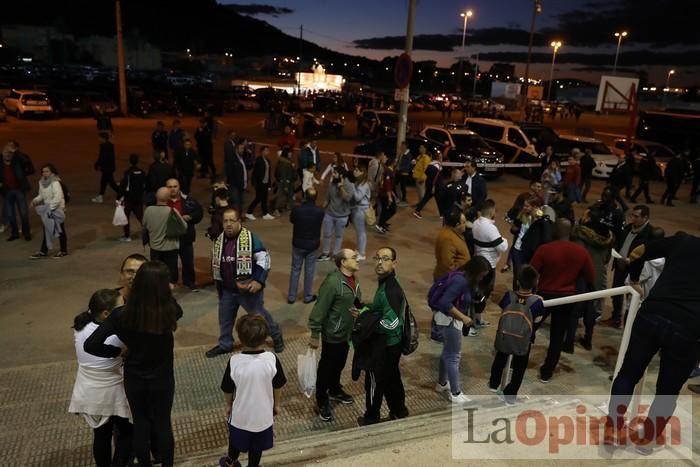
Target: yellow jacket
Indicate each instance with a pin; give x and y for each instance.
(451, 252)
(422, 163)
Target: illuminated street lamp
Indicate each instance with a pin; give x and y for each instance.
(466, 15)
(668, 83)
(619, 36)
(555, 45)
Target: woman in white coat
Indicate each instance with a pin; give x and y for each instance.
(50, 204)
(98, 393)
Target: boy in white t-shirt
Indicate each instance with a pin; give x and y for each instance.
(251, 384)
(309, 178)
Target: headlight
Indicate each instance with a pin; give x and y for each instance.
(318, 121)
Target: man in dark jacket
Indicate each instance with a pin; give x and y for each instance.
(16, 167)
(695, 187)
(403, 169)
(191, 211)
(635, 233)
(306, 238)
(133, 188)
(158, 173)
(106, 165)
(176, 137)
(384, 381)
(104, 123)
(675, 170)
(331, 319)
(475, 183)
(236, 174)
(185, 161)
(647, 172)
(159, 139)
(262, 179)
(203, 136)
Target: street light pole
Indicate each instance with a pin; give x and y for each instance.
(466, 15)
(121, 65)
(403, 107)
(556, 46)
(667, 89)
(536, 8)
(619, 36)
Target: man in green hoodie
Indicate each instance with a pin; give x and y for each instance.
(332, 319)
(385, 382)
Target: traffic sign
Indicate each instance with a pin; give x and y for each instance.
(403, 71)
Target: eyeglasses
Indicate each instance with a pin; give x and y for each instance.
(382, 259)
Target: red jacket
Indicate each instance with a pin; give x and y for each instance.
(560, 264)
(572, 176)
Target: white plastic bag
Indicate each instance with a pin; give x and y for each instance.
(306, 372)
(119, 218)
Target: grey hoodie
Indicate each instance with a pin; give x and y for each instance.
(339, 205)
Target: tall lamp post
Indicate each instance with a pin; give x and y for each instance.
(536, 9)
(619, 36)
(466, 15)
(121, 63)
(555, 45)
(667, 89)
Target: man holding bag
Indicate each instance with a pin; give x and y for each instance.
(162, 228)
(331, 318)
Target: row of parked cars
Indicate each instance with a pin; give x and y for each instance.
(492, 142)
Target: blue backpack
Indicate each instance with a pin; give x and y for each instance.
(437, 290)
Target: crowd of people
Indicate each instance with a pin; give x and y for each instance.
(124, 341)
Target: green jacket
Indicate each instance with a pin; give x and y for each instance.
(599, 246)
(389, 301)
(284, 172)
(330, 316)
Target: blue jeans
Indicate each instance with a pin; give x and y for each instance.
(333, 224)
(18, 199)
(450, 356)
(228, 309)
(358, 220)
(679, 349)
(308, 259)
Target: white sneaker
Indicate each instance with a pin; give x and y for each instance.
(268, 217)
(125, 240)
(250, 217)
(361, 257)
(459, 399)
(2, 228)
(97, 199)
(472, 332)
(440, 388)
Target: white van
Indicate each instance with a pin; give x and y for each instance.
(506, 137)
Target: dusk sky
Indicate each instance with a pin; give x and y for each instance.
(337, 23)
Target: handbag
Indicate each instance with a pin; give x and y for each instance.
(119, 219)
(370, 216)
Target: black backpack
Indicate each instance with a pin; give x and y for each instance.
(410, 333)
(66, 193)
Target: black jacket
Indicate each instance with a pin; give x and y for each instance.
(203, 135)
(158, 174)
(105, 159)
(675, 169)
(259, 170)
(641, 238)
(368, 344)
(539, 233)
(479, 190)
(133, 184)
(648, 170)
(184, 161)
(307, 219)
(22, 167)
(159, 140)
(587, 164)
(192, 208)
(235, 170)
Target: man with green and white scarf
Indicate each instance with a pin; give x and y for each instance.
(240, 264)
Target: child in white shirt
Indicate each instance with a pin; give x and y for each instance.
(309, 178)
(252, 383)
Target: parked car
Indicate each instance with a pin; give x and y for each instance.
(245, 103)
(97, 100)
(325, 103)
(662, 153)
(605, 159)
(388, 145)
(69, 103)
(541, 136)
(465, 144)
(378, 123)
(23, 103)
(322, 127)
(508, 139)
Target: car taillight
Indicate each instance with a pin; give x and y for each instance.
(23, 100)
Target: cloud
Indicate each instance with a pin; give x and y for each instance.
(448, 42)
(639, 57)
(254, 9)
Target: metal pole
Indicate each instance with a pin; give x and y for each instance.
(476, 72)
(403, 108)
(529, 56)
(617, 53)
(551, 74)
(301, 44)
(460, 76)
(120, 60)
